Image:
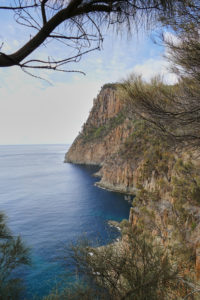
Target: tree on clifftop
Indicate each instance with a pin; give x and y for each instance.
(77, 24)
(174, 110)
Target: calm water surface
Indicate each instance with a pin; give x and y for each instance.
(51, 204)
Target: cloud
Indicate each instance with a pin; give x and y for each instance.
(32, 112)
(154, 67)
(171, 38)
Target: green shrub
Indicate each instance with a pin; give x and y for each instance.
(135, 269)
(95, 133)
(13, 254)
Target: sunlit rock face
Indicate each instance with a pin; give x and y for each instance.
(105, 130)
(108, 127)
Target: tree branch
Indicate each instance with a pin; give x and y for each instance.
(86, 18)
(40, 37)
(43, 11)
(18, 7)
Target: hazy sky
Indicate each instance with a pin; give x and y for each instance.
(34, 112)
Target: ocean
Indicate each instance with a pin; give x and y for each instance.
(51, 204)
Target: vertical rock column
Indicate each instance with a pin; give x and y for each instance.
(198, 260)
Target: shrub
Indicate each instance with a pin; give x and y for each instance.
(13, 254)
(135, 268)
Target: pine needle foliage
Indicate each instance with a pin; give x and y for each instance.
(13, 254)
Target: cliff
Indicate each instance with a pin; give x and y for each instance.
(136, 159)
(106, 129)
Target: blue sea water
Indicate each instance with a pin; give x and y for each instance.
(51, 204)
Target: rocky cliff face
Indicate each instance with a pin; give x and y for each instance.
(105, 130)
(135, 160)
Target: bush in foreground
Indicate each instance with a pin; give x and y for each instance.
(134, 268)
(13, 254)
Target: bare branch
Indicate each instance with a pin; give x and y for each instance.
(44, 11)
(18, 7)
(79, 24)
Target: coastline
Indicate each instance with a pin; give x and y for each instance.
(117, 189)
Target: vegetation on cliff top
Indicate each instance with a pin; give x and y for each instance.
(113, 86)
(93, 133)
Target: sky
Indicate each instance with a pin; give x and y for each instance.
(33, 111)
